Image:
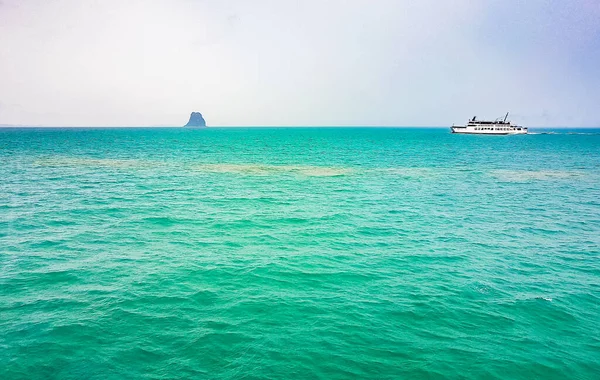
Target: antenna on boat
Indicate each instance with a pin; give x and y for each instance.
(505, 117)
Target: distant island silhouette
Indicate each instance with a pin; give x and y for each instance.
(196, 120)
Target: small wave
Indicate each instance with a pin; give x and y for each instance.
(409, 172)
(529, 175)
(90, 162)
(266, 170)
(161, 221)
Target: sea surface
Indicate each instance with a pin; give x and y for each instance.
(310, 253)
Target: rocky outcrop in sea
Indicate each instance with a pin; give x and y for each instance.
(196, 120)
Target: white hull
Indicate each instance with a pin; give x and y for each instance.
(489, 130)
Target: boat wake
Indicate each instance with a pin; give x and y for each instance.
(565, 133)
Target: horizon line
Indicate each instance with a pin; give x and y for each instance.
(264, 126)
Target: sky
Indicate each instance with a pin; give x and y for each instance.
(299, 62)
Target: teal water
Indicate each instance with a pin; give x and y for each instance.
(298, 253)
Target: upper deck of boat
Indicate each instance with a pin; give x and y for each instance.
(473, 122)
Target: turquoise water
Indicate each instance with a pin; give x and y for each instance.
(298, 253)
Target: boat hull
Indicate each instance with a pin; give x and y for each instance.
(500, 131)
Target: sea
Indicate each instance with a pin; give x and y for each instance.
(299, 253)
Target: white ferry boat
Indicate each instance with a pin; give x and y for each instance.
(496, 127)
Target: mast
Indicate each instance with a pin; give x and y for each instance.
(505, 117)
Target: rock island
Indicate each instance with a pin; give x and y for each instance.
(196, 120)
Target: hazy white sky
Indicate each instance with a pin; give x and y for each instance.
(303, 62)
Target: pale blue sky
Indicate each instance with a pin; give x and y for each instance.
(278, 62)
